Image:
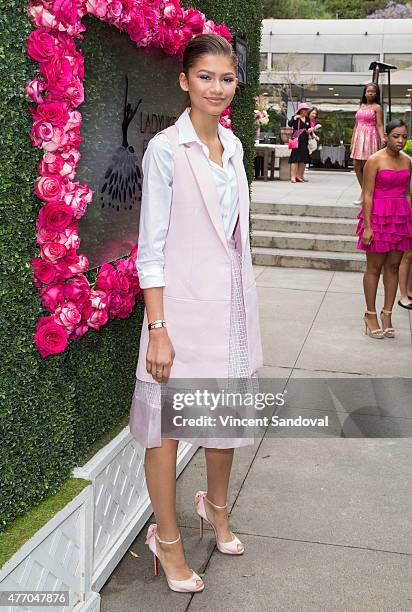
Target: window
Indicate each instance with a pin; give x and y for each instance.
(301, 62)
(400, 60)
(264, 61)
(338, 63)
(361, 63)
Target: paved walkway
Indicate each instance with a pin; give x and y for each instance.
(332, 188)
(326, 522)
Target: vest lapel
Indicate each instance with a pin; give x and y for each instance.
(207, 186)
(243, 187)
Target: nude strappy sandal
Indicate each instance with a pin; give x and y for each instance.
(389, 332)
(378, 333)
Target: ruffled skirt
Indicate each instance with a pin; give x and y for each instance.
(391, 223)
(145, 411)
(365, 142)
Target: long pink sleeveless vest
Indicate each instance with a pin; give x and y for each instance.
(197, 269)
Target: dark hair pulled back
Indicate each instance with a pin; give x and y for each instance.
(205, 44)
(393, 124)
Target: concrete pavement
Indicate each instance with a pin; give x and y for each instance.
(326, 522)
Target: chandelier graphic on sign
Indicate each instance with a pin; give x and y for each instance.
(122, 185)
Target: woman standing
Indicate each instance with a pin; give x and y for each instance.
(405, 281)
(196, 273)
(301, 129)
(368, 134)
(314, 122)
(385, 225)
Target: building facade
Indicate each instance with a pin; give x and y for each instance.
(327, 61)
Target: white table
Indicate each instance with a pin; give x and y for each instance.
(270, 152)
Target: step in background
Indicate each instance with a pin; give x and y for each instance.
(319, 236)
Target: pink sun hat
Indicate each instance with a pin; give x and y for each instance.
(303, 106)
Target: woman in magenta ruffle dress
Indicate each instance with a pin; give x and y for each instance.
(385, 225)
(368, 134)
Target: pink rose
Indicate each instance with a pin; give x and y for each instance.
(73, 138)
(128, 268)
(97, 319)
(224, 31)
(70, 238)
(119, 304)
(34, 89)
(77, 290)
(72, 156)
(50, 188)
(62, 270)
(114, 9)
(195, 20)
(65, 11)
(44, 234)
(74, 93)
(58, 140)
(41, 45)
(52, 296)
(172, 12)
(52, 251)
(86, 310)
(82, 265)
(54, 163)
(50, 338)
(100, 299)
(106, 278)
(55, 113)
(67, 315)
(79, 331)
(78, 197)
(42, 17)
(97, 7)
(43, 271)
(74, 121)
(109, 279)
(41, 131)
(57, 72)
(55, 216)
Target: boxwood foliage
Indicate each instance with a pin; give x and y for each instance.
(54, 410)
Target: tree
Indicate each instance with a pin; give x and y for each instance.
(290, 70)
(294, 9)
(353, 9)
(329, 9)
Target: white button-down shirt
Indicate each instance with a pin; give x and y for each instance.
(157, 166)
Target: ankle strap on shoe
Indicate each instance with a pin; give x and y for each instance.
(165, 541)
(386, 311)
(370, 312)
(214, 505)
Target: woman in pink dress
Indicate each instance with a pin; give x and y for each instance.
(385, 225)
(368, 134)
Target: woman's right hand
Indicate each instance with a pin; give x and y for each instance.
(160, 354)
(367, 236)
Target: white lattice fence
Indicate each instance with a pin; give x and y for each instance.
(80, 547)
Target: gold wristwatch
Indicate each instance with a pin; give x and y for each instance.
(156, 324)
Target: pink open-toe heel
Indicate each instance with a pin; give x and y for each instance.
(235, 546)
(194, 584)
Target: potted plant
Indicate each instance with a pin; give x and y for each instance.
(261, 115)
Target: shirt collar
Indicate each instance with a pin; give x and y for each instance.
(187, 133)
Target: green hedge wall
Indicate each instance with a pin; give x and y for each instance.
(54, 410)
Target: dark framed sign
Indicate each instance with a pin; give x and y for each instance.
(240, 48)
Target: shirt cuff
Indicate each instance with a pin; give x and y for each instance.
(150, 276)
